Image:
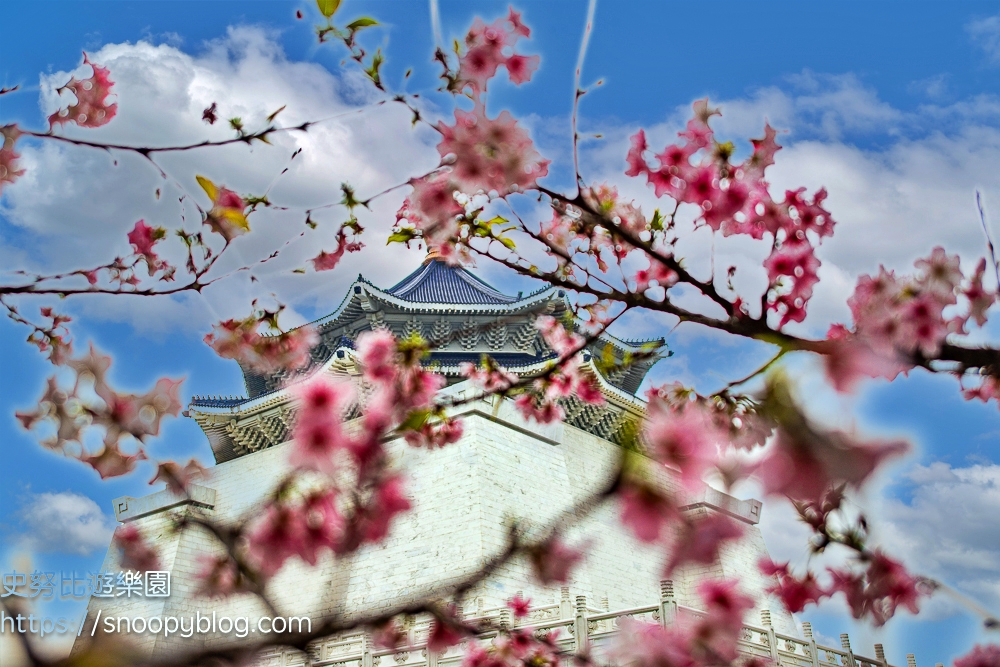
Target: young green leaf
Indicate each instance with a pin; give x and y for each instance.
(656, 224)
(327, 7)
(363, 22)
(402, 235)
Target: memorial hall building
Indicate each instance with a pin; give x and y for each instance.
(465, 496)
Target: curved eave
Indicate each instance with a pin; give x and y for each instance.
(348, 360)
(278, 396)
(634, 346)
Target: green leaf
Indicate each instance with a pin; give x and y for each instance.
(373, 70)
(656, 224)
(415, 420)
(363, 22)
(327, 7)
(403, 235)
(349, 199)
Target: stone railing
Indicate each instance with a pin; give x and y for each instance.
(580, 627)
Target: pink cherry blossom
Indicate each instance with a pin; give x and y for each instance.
(899, 317)
(240, 340)
(556, 335)
(725, 606)
(560, 234)
(417, 388)
(220, 577)
(554, 560)
(227, 216)
(980, 299)
(111, 462)
(763, 152)
(982, 655)
(734, 199)
(444, 634)
(431, 435)
(490, 154)
(389, 635)
(988, 389)
(519, 605)
(9, 172)
(323, 525)
(326, 261)
(803, 465)
(388, 501)
(517, 27)
(276, 536)
(794, 266)
(879, 590)
(682, 438)
(639, 644)
(488, 376)
(712, 639)
(587, 389)
(135, 552)
(940, 274)
(657, 273)
(377, 352)
(432, 209)
(849, 358)
(646, 510)
(795, 593)
(699, 539)
(487, 47)
(636, 162)
(318, 431)
(520, 68)
(541, 410)
(178, 477)
(92, 108)
(143, 238)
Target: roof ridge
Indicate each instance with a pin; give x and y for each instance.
(436, 281)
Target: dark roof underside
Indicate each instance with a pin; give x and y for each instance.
(438, 282)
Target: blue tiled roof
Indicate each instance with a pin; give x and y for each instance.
(438, 282)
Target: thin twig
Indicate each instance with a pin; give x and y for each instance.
(989, 238)
(578, 91)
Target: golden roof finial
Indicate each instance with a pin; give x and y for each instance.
(432, 254)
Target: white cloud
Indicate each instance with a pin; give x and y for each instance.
(948, 529)
(985, 33)
(933, 87)
(79, 204)
(64, 522)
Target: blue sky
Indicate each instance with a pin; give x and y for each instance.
(895, 106)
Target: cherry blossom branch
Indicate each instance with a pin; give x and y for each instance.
(755, 373)
(669, 261)
(248, 138)
(229, 540)
(990, 621)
